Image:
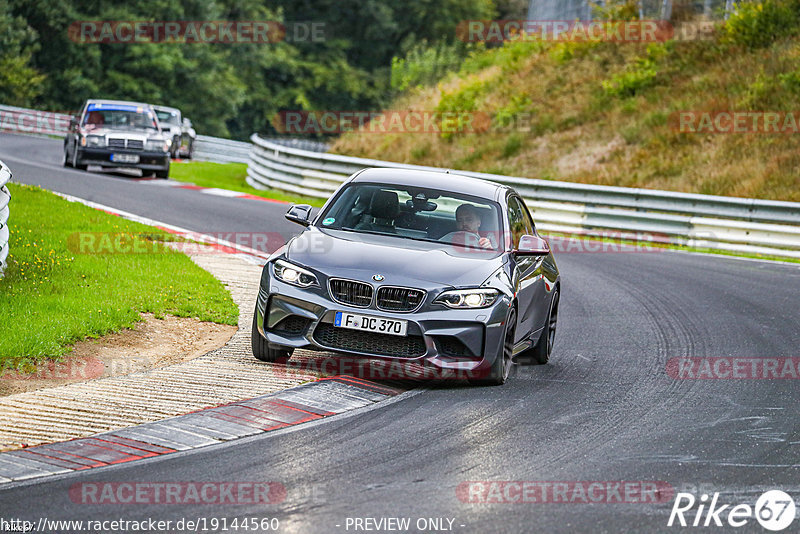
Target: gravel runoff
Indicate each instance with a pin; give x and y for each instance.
(224, 375)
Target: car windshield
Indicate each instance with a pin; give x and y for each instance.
(119, 119)
(415, 213)
(168, 117)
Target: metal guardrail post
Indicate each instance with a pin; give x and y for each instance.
(5, 199)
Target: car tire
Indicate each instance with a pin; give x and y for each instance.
(261, 349)
(540, 353)
(75, 162)
(65, 162)
(162, 174)
(498, 373)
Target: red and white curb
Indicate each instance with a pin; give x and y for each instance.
(308, 402)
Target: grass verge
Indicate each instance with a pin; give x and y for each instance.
(230, 176)
(56, 292)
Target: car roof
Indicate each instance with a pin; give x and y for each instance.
(122, 102)
(457, 183)
(166, 108)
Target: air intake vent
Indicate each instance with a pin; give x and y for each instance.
(335, 338)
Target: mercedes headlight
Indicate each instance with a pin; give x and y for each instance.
(95, 141)
(157, 145)
(468, 298)
(292, 274)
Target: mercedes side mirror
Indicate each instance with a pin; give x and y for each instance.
(532, 245)
(300, 214)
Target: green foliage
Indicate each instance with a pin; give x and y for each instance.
(759, 24)
(512, 146)
(507, 115)
(464, 100)
(616, 9)
(426, 65)
(508, 57)
(639, 75)
(20, 83)
(226, 89)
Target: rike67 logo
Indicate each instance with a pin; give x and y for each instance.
(774, 510)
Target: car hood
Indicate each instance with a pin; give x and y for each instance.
(337, 253)
(126, 134)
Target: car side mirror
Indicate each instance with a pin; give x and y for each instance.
(300, 214)
(532, 245)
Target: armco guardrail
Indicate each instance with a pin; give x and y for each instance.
(220, 150)
(225, 150)
(5, 199)
(704, 221)
(32, 122)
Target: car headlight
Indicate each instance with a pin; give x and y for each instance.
(292, 274)
(468, 298)
(95, 141)
(157, 145)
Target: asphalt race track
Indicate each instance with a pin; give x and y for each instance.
(605, 409)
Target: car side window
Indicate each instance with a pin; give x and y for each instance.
(516, 221)
(530, 227)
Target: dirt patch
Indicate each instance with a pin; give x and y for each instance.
(587, 157)
(151, 344)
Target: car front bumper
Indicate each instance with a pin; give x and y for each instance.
(461, 340)
(153, 161)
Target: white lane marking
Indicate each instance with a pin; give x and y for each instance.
(221, 192)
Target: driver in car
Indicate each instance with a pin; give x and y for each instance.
(468, 221)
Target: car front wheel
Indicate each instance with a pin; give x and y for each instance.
(261, 349)
(498, 373)
(540, 353)
(76, 161)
